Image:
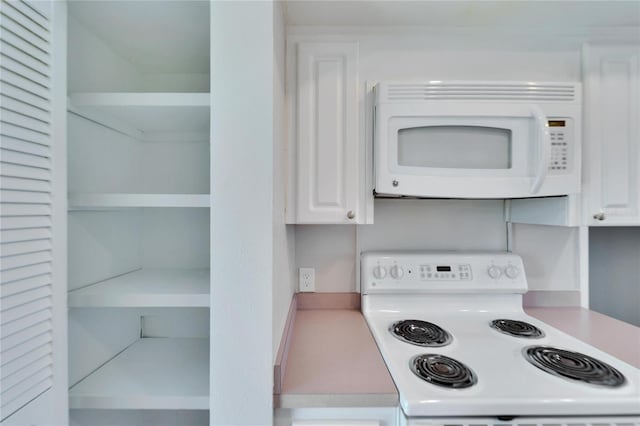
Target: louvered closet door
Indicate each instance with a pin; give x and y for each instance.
(26, 350)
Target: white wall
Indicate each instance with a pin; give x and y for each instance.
(242, 149)
(331, 250)
(102, 245)
(555, 267)
(614, 287)
(100, 159)
(399, 225)
(551, 257)
(94, 66)
(104, 160)
(284, 281)
(96, 336)
(175, 238)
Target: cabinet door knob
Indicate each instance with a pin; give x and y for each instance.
(351, 214)
(599, 216)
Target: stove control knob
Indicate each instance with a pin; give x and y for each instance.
(379, 272)
(396, 272)
(494, 272)
(511, 271)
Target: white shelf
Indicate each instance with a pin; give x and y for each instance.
(147, 112)
(153, 373)
(88, 201)
(147, 288)
(146, 99)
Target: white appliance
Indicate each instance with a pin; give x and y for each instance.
(461, 350)
(477, 139)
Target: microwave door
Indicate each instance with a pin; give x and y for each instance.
(453, 147)
(464, 156)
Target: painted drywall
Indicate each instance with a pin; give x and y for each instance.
(100, 159)
(104, 160)
(102, 245)
(399, 225)
(331, 250)
(553, 268)
(435, 224)
(174, 167)
(175, 238)
(96, 336)
(614, 272)
(94, 66)
(242, 147)
(283, 235)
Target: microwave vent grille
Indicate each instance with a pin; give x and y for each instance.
(478, 91)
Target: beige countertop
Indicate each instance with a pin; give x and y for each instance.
(617, 338)
(332, 360)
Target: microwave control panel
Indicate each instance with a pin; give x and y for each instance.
(561, 154)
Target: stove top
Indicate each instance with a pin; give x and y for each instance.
(443, 371)
(517, 328)
(460, 344)
(574, 366)
(420, 333)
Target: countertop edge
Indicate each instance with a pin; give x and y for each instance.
(338, 400)
(280, 364)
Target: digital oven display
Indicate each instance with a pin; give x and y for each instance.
(443, 268)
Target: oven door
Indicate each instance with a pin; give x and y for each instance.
(460, 150)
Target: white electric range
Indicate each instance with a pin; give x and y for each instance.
(462, 351)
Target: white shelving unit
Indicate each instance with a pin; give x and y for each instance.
(147, 112)
(139, 178)
(147, 288)
(152, 373)
(90, 201)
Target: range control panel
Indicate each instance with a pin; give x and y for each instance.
(457, 271)
(438, 272)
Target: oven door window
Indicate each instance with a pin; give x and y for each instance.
(455, 147)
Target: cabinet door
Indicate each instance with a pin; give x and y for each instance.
(329, 170)
(33, 382)
(612, 135)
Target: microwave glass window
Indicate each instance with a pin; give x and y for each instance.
(455, 147)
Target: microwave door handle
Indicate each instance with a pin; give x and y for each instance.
(544, 148)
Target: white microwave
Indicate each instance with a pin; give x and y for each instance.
(476, 139)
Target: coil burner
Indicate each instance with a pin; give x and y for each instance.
(420, 333)
(517, 328)
(574, 366)
(443, 371)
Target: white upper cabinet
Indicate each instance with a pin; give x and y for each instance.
(612, 134)
(327, 170)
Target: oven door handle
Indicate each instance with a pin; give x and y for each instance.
(544, 148)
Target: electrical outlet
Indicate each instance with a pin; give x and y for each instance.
(307, 279)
